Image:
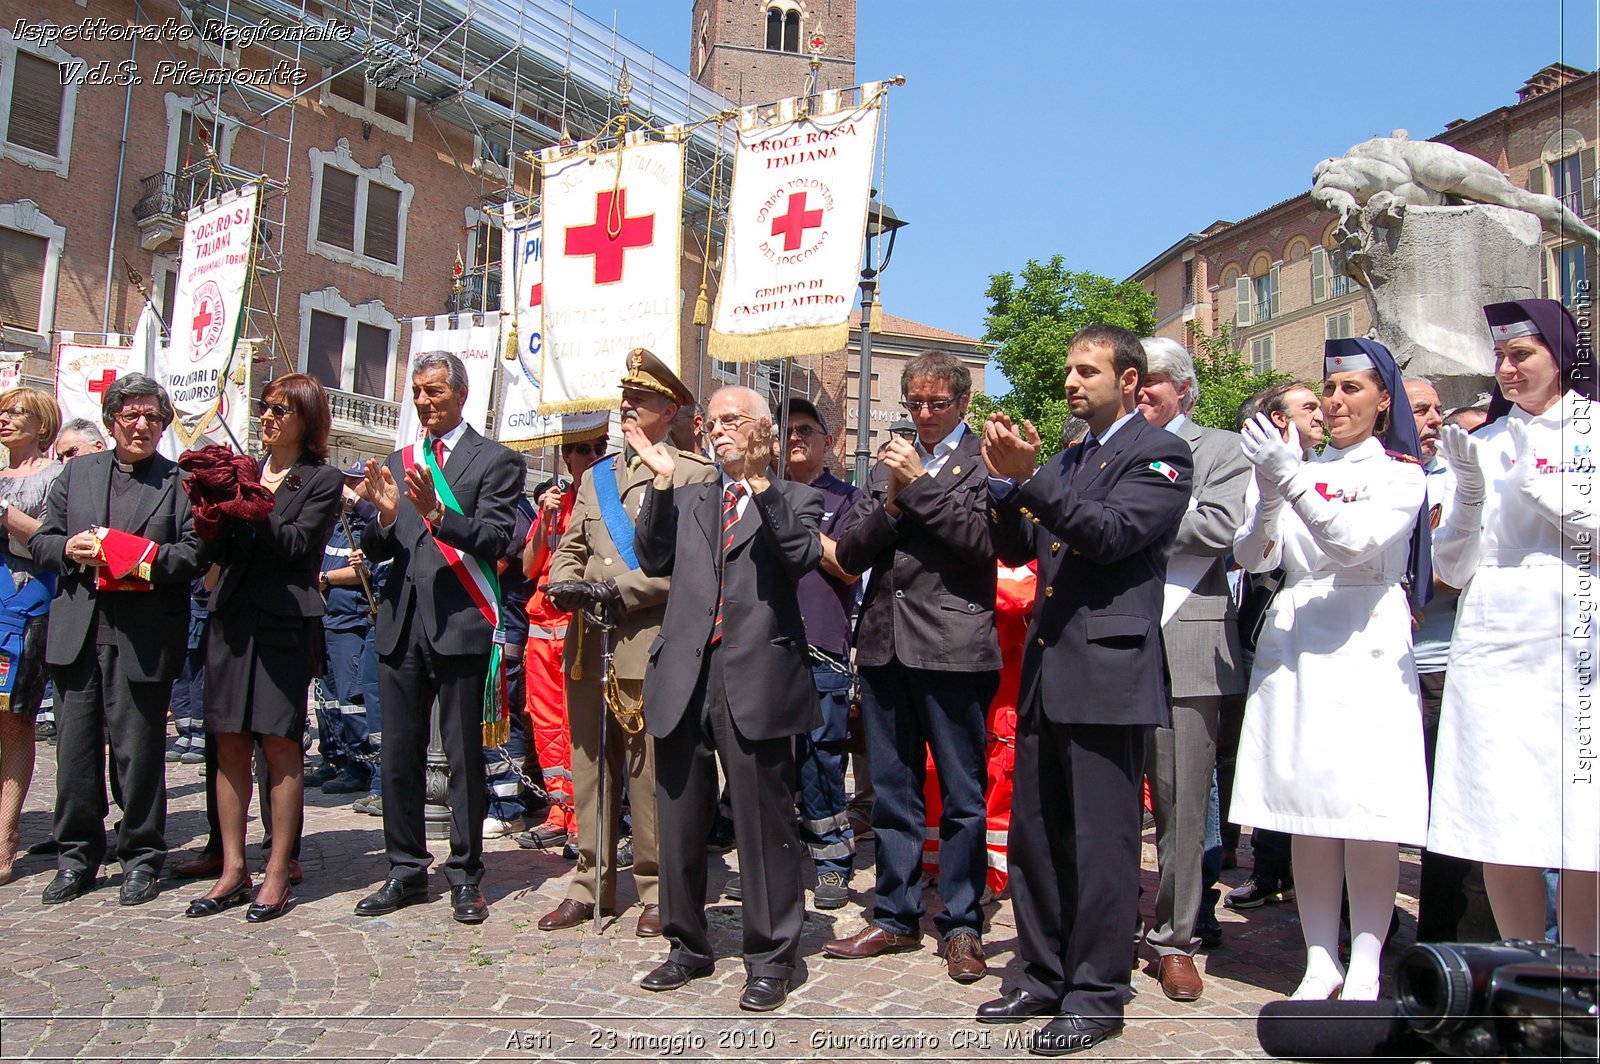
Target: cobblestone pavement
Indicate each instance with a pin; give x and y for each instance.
(90, 980)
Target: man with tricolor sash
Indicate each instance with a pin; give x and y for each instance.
(595, 565)
(446, 514)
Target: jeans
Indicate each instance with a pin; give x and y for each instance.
(338, 691)
(367, 681)
(819, 763)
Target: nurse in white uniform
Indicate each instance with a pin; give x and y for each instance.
(1331, 750)
(1514, 782)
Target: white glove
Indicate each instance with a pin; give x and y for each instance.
(1461, 455)
(1276, 461)
(1525, 473)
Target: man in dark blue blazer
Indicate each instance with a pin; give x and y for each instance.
(433, 637)
(1100, 518)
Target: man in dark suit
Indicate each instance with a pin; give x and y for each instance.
(115, 646)
(433, 634)
(1100, 519)
(929, 664)
(729, 678)
(1204, 661)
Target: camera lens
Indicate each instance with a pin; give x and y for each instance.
(1433, 988)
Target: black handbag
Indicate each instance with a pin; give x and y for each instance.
(1255, 600)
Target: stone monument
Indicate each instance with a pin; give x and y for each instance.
(1432, 234)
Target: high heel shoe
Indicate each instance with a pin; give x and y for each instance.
(1320, 987)
(1358, 991)
(260, 913)
(212, 906)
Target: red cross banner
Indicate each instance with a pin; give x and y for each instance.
(611, 276)
(797, 217)
(84, 372)
(521, 426)
(208, 384)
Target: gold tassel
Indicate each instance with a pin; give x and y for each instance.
(511, 339)
(876, 323)
(701, 312)
(497, 732)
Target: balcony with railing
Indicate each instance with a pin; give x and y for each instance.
(363, 414)
(159, 210)
(1188, 293)
(480, 290)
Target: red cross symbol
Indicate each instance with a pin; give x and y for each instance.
(796, 221)
(606, 246)
(98, 385)
(202, 321)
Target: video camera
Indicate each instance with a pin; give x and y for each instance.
(1503, 999)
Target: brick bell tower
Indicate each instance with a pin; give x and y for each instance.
(758, 51)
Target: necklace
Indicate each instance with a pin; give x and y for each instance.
(272, 479)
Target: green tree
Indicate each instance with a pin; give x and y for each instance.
(1032, 317)
(1226, 377)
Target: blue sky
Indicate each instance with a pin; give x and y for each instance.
(1104, 132)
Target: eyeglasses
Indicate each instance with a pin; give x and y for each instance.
(805, 432)
(596, 450)
(934, 406)
(15, 414)
(727, 421)
(130, 418)
(277, 410)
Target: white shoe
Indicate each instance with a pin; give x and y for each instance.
(499, 829)
(1320, 987)
(1359, 992)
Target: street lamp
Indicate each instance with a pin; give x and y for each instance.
(880, 219)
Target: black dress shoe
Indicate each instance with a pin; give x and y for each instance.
(1071, 1034)
(212, 906)
(1015, 1006)
(391, 896)
(763, 993)
(468, 905)
(259, 913)
(670, 975)
(68, 884)
(138, 887)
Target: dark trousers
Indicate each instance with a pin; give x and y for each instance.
(263, 796)
(1074, 860)
(187, 692)
(760, 775)
(819, 761)
(908, 712)
(96, 703)
(409, 680)
(347, 715)
(1442, 898)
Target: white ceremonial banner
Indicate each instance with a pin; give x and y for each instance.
(473, 338)
(611, 276)
(11, 369)
(84, 372)
(201, 369)
(797, 218)
(521, 426)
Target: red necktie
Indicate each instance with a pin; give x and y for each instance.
(730, 517)
(438, 453)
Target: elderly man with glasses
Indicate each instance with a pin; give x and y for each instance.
(118, 531)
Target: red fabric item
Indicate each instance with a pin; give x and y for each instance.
(127, 559)
(222, 484)
(552, 735)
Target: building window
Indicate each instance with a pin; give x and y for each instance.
(36, 109)
(1188, 283)
(1264, 292)
(1261, 354)
(358, 214)
(194, 128)
(349, 92)
(726, 372)
(1339, 326)
(1566, 183)
(783, 28)
(481, 287)
(1328, 279)
(1572, 273)
(348, 348)
(30, 263)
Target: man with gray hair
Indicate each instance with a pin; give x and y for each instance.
(79, 436)
(1201, 639)
(117, 529)
(447, 506)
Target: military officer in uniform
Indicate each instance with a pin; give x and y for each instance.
(595, 565)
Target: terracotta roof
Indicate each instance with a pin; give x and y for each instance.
(907, 327)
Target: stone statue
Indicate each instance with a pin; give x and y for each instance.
(1391, 173)
(1432, 234)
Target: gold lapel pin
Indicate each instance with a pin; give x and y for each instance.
(956, 472)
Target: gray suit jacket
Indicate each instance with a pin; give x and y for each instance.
(1202, 640)
(152, 639)
(766, 668)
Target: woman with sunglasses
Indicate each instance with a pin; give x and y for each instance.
(265, 643)
(28, 424)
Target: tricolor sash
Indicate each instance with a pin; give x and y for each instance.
(482, 584)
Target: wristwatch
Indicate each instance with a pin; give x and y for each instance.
(436, 514)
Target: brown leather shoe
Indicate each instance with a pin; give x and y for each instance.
(569, 913)
(871, 942)
(649, 925)
(963, 955)
(1179, 978)
(198, 867)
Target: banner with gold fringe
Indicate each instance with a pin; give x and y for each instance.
(797, 217)
(612, 273)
